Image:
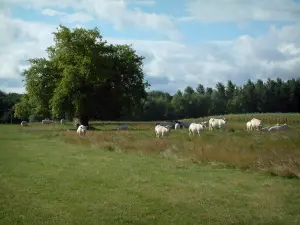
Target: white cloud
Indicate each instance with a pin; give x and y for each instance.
(169, 64)
(144, 2)
(22, 40)
(116, 12)
(77, 17)
(51, 12)
(40, 4)
(276, 54)
(20, 90)
(242, 10)
(290, 49)
(68, 18)
(121, 16)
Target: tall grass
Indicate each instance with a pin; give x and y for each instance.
(268, 118)
(277, 153)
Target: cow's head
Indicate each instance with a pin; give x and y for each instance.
(168, 127)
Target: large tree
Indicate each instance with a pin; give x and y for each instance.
(23, 108)
(85, 77)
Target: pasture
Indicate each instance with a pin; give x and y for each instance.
(49, 175)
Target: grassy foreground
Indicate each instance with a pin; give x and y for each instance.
(54, 177)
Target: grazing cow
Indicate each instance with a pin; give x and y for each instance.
(177, 126)
(161, 130)
(81, 130)
(268, 127)
(279, 127)
(47, 121)
(265, 128)
(123, 127)
(204, 124)
(216, 123)
(256, 124)
(24, 124)
(195, 127)
(248, 126)
(182, 124)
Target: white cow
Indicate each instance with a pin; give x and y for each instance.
(62, 121)
(216, 123)
(268, 127)
(249, 126)
(256, 124)
(47, 121)
(279, 127)
(24, 124)
(204, 124)
(177, 126)
(161, 130)
(195, 127)
(265, 128)
(81, 130)
(123, 127)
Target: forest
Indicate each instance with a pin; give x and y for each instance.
(263, 97)
(7, 102)
(252, 97)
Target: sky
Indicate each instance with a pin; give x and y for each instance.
(184, 42)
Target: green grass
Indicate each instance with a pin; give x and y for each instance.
(52, 176)
(277, 153)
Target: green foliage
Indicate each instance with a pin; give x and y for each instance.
(22, 109)
(41, 79)
(85, 77)
(258, 97)
(7, 102)
(35, 118)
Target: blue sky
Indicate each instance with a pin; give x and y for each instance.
(184, 42)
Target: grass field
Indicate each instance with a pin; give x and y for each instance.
(51, 176)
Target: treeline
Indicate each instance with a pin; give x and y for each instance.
(252, 97)
(7, 101)
(261, 97)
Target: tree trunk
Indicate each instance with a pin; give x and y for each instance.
(84, 120)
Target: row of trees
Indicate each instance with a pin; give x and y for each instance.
(7, 102)
(270, 96)
(85, 77)
(259, 96)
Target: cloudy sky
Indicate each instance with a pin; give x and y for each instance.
(185, 42)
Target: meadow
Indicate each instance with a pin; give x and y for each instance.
(49, 175)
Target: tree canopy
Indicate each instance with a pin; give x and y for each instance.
(85, 77)
(7, 102)
(252, 97)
